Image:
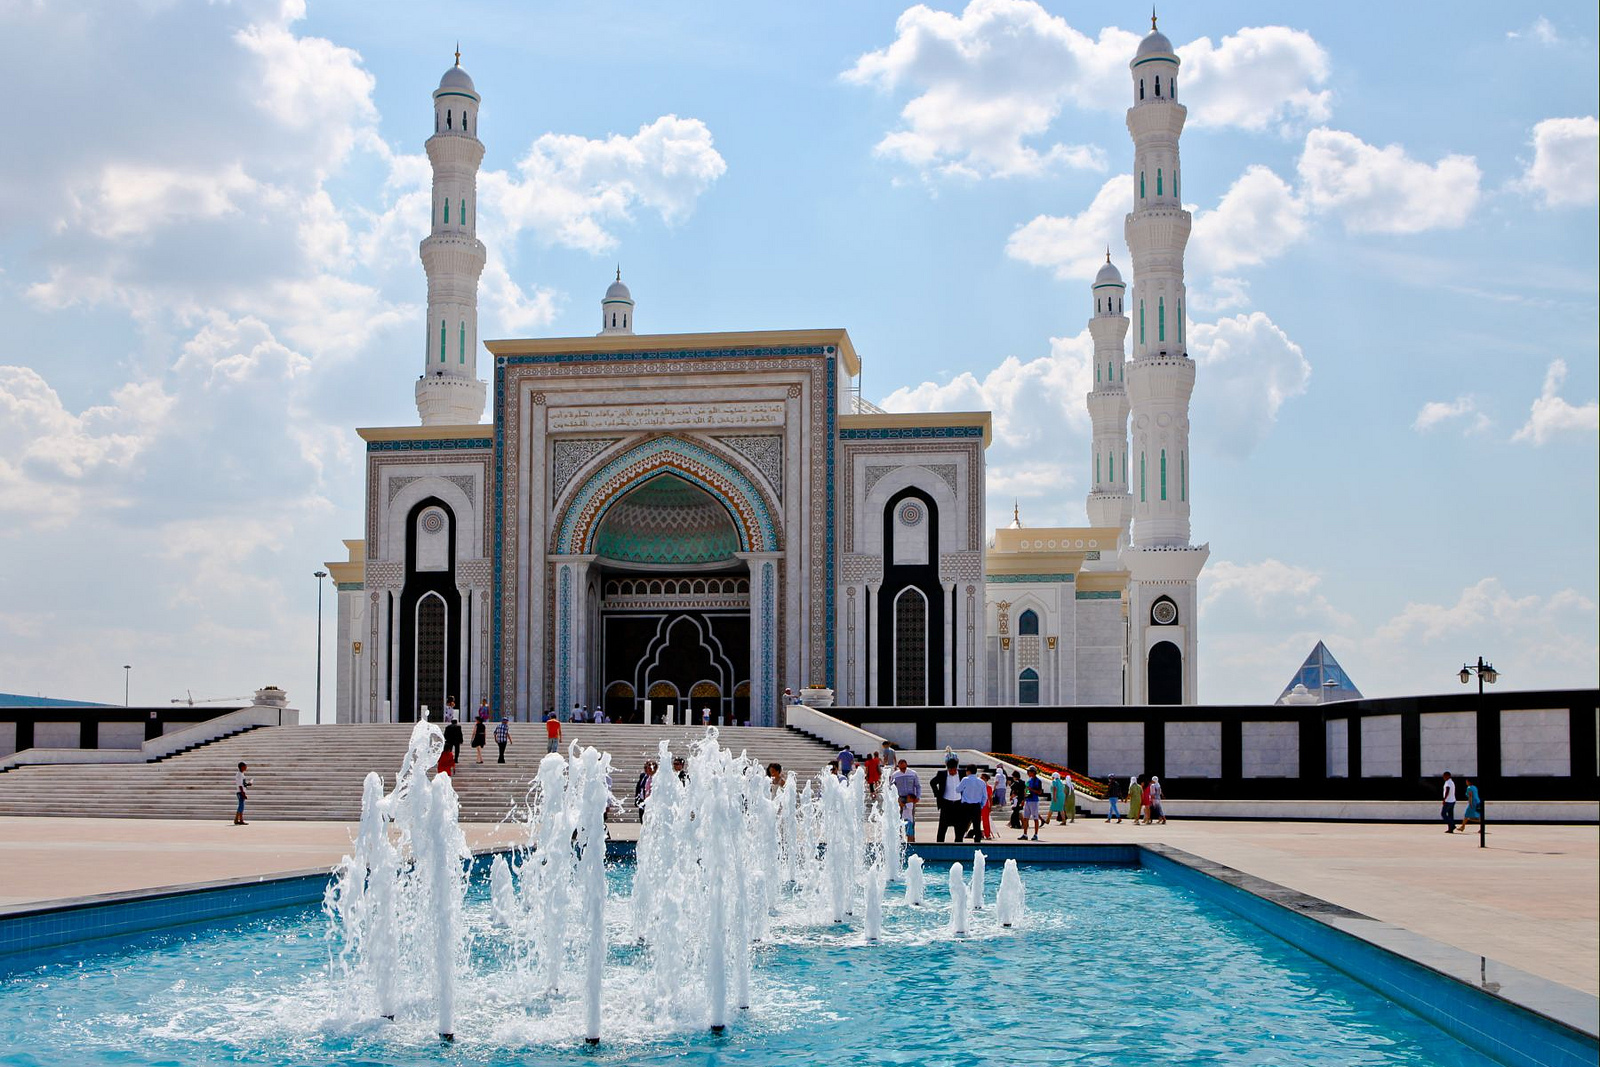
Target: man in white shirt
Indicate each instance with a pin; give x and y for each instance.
(1447, 810)
(946, 789)
(974, 792)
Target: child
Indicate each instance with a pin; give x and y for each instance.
(240, 784)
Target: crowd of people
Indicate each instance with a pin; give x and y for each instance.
(1144, 798)
(482, 730)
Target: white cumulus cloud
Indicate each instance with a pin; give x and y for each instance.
(1074, 246)
(1566, 161)
(1383, 190)
(1436, 413)
(1551, 414)
(1257, 219)
(1246, 369)
(988, 85)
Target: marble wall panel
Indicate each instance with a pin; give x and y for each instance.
(1269, 749)
(1116, 748)
(8, 738)
(900, 734)
(978, 735)
(1535, 742)
(121, 734)
(1194, 749)
(56, 734)
(1338, 742)
(1449, 743)
(1380, 746)
(1041, 740)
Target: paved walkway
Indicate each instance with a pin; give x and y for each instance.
(1532, 899)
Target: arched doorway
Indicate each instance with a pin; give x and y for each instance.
(707, 695)
(620, 705)
(1164, 674)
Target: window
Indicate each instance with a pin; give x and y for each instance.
(1119, 305)
(1141, 88)
(1158, 85)
(1097, 305)
(1158, 181)
(1028, 624)
(1097, 374)
(447, 120)
(1097, 468)
(463, 122)
(1141, 322)
(613, 318)
(1141, 185)
(1183, 476)
(463, 211)
(1111, 467)
(1163, 474)
(447, 211)
(910, 648)
(462, 343)
(1172, 94)
(441, 340)
(1141, 478)
(1028, 686)
(1109, 365)
(1180, 303)
(1161, 318)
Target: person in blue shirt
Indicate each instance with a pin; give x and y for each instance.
(847, 759)
(1474, 806)
(974, 793)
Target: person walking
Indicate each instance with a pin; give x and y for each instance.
(946, 786)
(240, 786)
(1030, 806)
(1154, 810)
(1474, 805)
(908, 787)
(990, 789)
(846, 761)
(502, 737)
(1058, 799)
(1144, 800)
(1112, 798)
(1135, 798)
(452, 733)
(480, 733)
(552, 733)
(973, 792)
(1018, 796)
(1447, 809)
(873, 769)
(447, 762)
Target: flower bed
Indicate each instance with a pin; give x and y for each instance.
(1082, 782)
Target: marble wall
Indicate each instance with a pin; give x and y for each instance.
(1116, 748)
(1380, 746)
(978, 735)
(1449, 743)
(1041, 740)
(121, 735)
(1338, 742)
(57, 734)
(1535, 742)
(900, 734)
(1194, 749)
(1269, 749)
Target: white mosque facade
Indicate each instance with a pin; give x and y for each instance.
(709, 519)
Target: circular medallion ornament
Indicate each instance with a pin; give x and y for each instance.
(432, 521)
(1165, 613)
(911, 514)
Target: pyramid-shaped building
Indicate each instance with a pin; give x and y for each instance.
(1324, 680)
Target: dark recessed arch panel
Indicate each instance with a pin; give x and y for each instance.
(419, 584)
(923, 577)
(1164, 675)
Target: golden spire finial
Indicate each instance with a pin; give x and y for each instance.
(619, 272)
(1152, 18)
(1016, 512)
(458, 53)
(1108, 253)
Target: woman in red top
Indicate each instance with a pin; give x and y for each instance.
(447, 762)
(1144, 803)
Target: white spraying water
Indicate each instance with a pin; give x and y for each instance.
(914, 889)
(979, 862)
(1009, 900)
(502, 893)
(958, 900)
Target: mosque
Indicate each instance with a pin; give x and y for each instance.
(711, 518)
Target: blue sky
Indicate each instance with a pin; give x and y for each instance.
(208, 228)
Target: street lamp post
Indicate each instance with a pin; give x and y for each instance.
(319, 576)
(127, 669)
(1486, 673)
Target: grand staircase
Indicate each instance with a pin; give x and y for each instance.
(315, 772)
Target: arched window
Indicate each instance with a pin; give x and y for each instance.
(1111, 467)
(613, 318)
(441, 340)
(1097, 305)
(1109, 372)
(1172, 94)
(910, 648)
(1097, 468)
(461, 346)
(1097, 373)
(1183, 475)
(1141, 478)
(1119, 305)
(463, 211)
(1180, 303)
(1141, 88)
(1141, 322)
(1158, 181)
(1161, 318)
(447, 211)
(1141, 185)
(1028, 686)
(463, 122)
(1158, 85)
(1163, 474)
(1028, 624)
(435, 122)
(447, 120)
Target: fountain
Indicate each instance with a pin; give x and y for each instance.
(958, 900)
(978, 866)
(1008, 901)
(914, 881)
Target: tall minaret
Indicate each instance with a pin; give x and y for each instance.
(616, 308)
(1162, 566)
(449, 392)
(1109, 503)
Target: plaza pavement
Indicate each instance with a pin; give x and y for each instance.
(1531, 899)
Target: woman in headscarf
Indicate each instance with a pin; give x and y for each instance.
(1154, 794)
(1144, 799)
(1135, 798)
(1058, 799)
(1071, 809)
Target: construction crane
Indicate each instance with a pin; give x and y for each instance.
(191, 700)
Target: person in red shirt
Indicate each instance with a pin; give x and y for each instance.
(552, 730)
(447, 762)
(873, 768)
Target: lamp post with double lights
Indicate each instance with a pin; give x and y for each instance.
(1486, 673)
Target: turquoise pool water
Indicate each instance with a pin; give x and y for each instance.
(1114, 965)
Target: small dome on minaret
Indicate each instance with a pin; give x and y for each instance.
(1109, 274)
(1155, 43)
(456, 78)
(616, 309)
